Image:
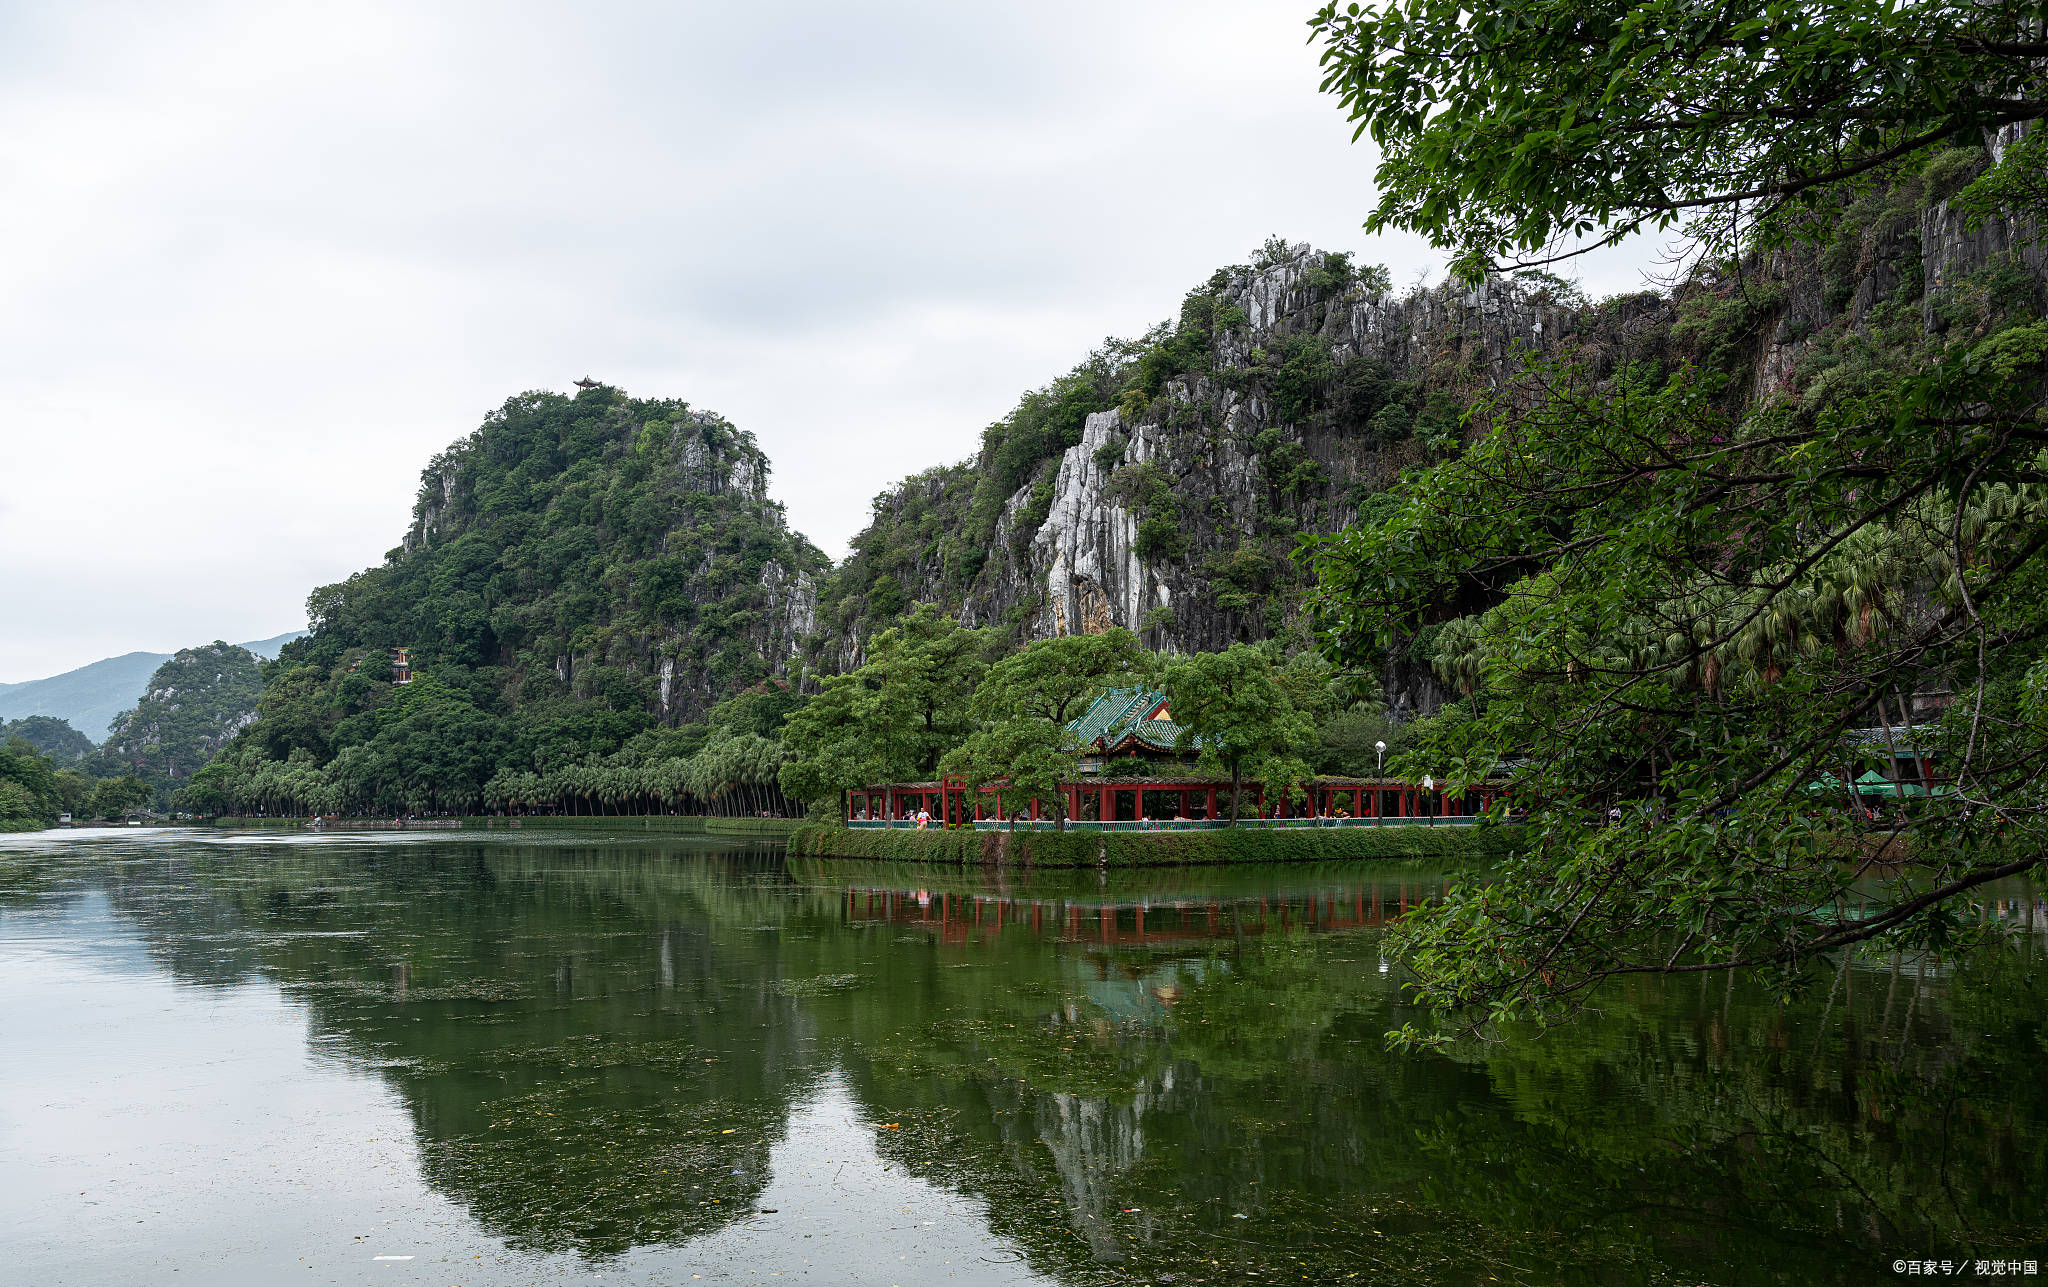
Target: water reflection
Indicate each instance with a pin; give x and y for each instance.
(610, 1050)
(1132, 920)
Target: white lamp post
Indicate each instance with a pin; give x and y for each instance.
(1378, 797)
(1429, 799)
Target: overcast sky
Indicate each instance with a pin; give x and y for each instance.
(261, 261)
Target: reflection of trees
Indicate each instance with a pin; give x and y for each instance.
(604, 1063)
(1715, 1134)
(600, 1018)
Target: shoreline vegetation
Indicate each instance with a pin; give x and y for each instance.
(692, 825)
(1229, 845)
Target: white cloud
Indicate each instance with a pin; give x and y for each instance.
(266, 259)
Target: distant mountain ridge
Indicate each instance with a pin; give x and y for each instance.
(94, 695)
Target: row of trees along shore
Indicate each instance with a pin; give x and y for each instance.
(933, 697)
(37, 787)
(718, 772)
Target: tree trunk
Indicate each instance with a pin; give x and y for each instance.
(1856, 810)
(1236, 784)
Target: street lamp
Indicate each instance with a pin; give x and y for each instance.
(1429, 799)
(1379, 818)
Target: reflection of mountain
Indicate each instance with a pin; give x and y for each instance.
(599, 1046)
(590, 1080)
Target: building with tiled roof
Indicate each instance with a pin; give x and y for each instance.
(1127, 721)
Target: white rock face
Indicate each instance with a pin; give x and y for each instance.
(1094, 578)
(792, 600)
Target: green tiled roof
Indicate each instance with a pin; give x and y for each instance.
(1158, 734)
(1118, 716)
(1113, 710)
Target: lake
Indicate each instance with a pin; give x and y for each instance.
(437, 1059)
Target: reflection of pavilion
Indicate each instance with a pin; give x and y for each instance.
(983, 918)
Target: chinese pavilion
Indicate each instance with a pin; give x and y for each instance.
(1126, 721)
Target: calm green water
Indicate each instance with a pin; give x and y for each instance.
(240, 1059)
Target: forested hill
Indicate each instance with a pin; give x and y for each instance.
(49, 736)
(601, 547)
(600, 603)
(584, 577)
(194, 704)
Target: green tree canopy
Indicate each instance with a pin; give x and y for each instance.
(1243, 711)
(29, 792)
(1057, 679)
(1027, 758)
(897, 716)
(1506, 128)
(114, 797)
(923, 674)
(1024, 705)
